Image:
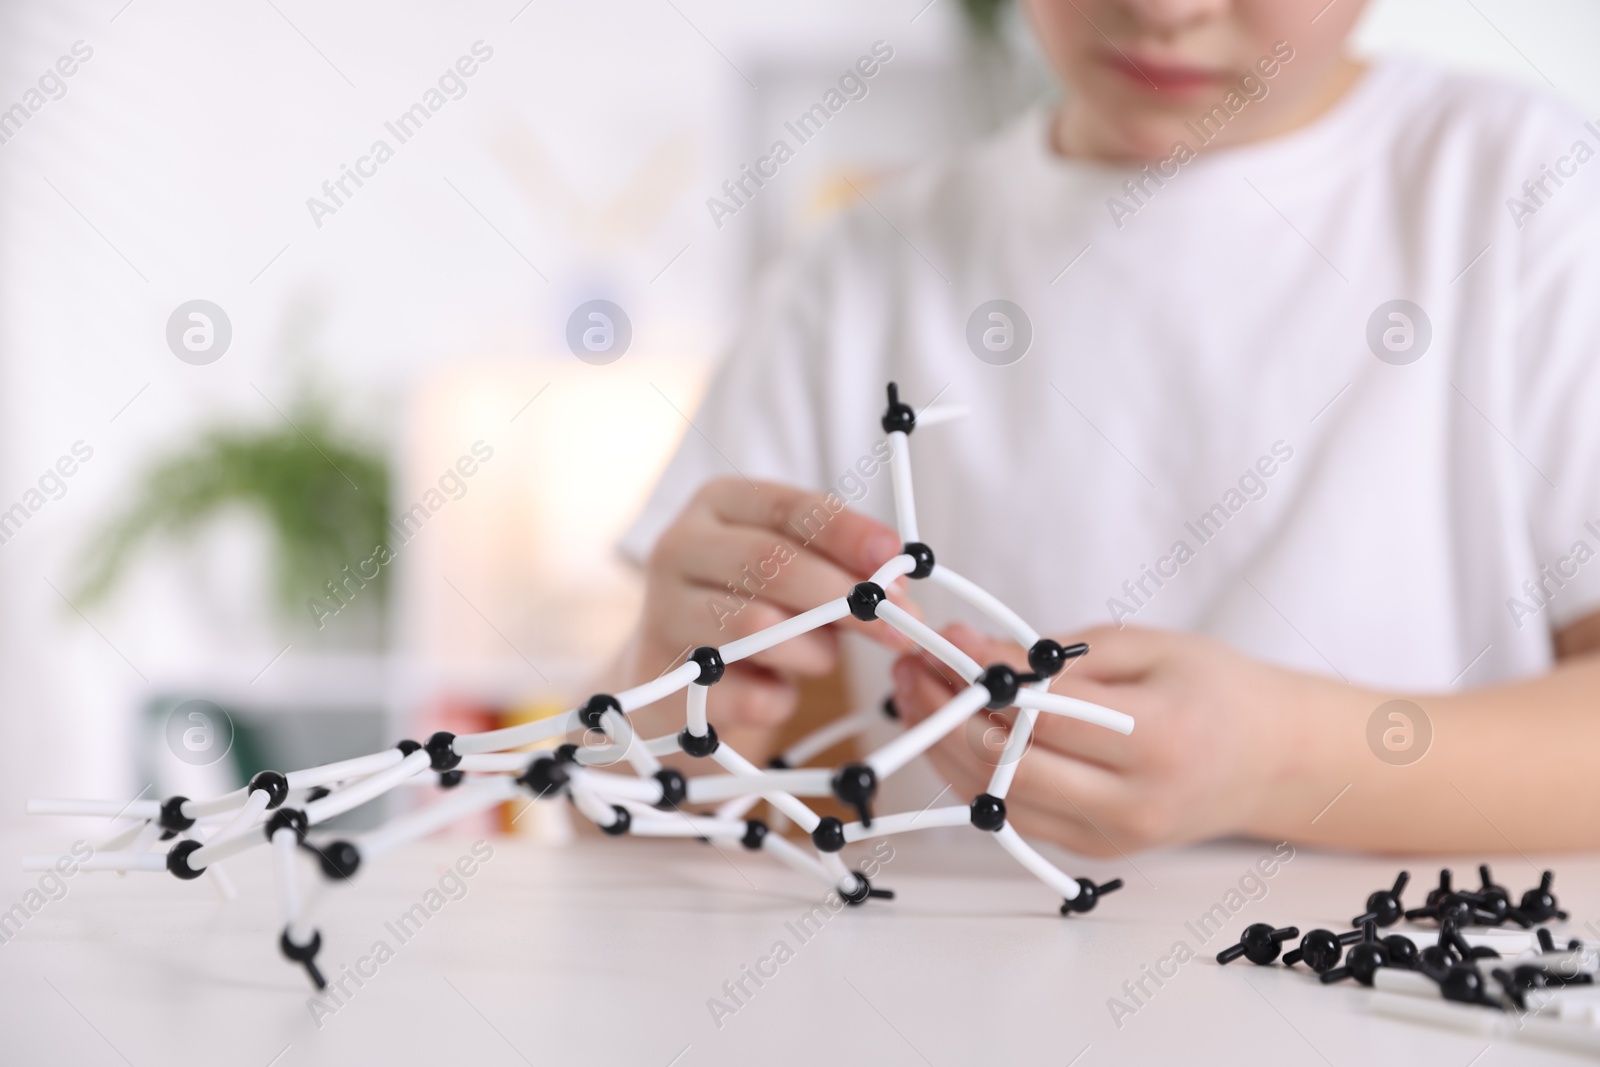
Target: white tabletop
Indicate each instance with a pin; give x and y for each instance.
(608, 952)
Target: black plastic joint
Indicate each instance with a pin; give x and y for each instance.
(711, 666)
(778, 763)
(172, 818)
(674, 790)
(1048, 657)
(855, 784)
(898, 416)
(699, 746)
(755, 833)
(988, 812)
(339, 859)
(829, 834)
(544, 777)
(566, 753)
(595, 707)
(864, 599)
(442, 752)
(293, 818)
(178, 860)
(890, 710)
(275, 785)
(408, 746)
(1002, 683)
(623, 823)
(1089, 895)
(922, 555)
(451, 779)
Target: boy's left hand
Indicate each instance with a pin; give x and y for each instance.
(1216, 734)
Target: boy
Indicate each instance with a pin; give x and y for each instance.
(1304, 443)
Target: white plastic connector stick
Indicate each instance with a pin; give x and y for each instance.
(598, 811)
(621, 732)
(359, 767)
(1073, 708)
(929, 639)
(819, 741)
(899, 823)
(248, 814)
(617, 786)
(801, 782)
(685, 826)
(528, 733)
(358, 793)
(697, 709)
(985, 602)
(1017, 741)
(101, 861)
(844, 879)
(787, 630)
(284, 844)
(107, 809)
(1471, 1019)
(200, 809)
(495, 761)
(641, 696)
(896, 568)
(738, 807)
(803, 816)
(464, 801)
(941, 413)
(923, 736)
(1036, 864)
(797, 858)
(905, 505)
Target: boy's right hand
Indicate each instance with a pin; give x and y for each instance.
(744, 556)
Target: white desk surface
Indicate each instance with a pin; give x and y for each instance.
(607, 951)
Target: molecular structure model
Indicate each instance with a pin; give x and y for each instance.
(482, 770)
(1537, 990)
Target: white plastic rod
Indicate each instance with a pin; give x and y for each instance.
(803, 816)
(738, 807)
(135, 837)
(844, 879)
(1017, 741)
(495, 761)
(697, 709)
(985, 602)
(941, 413)
(618, 786)
(247, 815)
(357, 794)
(686, 826)
(884, 825)
(930, 639)
(466, 800)
(200, 809)
(790, 853)
(804, 782)
(658, 689)
(101, 861)
(923, 736)
(1073, 708)
(598, 811)
(621, 732)
(787, 630)
(898, 567)
(905, 505)
(1471, 1019)
(527, 733)
(819, 741)
(109, 809)
(329, 773)
(1036, 864)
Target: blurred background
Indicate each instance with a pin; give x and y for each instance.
(335, 476)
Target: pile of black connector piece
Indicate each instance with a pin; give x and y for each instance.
(1452, 963)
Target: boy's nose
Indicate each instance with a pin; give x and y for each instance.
(1165, 17)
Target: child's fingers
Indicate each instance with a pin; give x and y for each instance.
(1119, 655)
(851, 540)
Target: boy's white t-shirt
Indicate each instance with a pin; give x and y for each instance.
(1200, 435)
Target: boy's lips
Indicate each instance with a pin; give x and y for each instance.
(1163, 77)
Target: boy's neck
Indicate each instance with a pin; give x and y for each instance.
(1078, 133)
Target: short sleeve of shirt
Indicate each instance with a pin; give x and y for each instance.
(758, 420)
(1558, 381)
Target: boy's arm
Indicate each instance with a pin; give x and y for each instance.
(1226, 744)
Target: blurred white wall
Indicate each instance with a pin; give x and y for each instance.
(576, 165)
